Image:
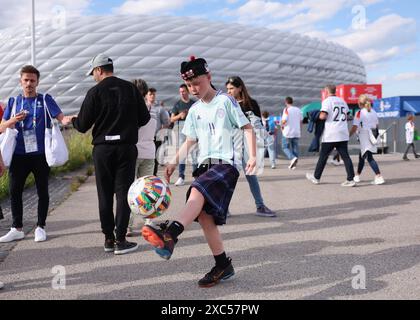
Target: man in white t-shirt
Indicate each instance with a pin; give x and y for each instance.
(336, 135)
(291, 122)
(409, 136)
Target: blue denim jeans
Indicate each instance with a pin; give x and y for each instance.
(272, 152)
(254, 186)
(373, 164)
(290, 147)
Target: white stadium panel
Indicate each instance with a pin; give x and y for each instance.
(272, 63)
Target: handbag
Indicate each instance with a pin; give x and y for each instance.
(8, 142)
(260, 133)
(56, 151)
(374, 136)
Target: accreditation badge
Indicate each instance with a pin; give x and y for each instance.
(30, 141)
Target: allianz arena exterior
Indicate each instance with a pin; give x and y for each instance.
(273, 64)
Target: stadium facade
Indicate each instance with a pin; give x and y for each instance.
(273, 64)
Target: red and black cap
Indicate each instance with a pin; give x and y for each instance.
(194, 68)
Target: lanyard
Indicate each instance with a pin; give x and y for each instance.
(34, 116)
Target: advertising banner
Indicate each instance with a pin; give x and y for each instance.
(350, 92)
(388, 107)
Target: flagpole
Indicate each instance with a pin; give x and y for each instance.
(33, 61)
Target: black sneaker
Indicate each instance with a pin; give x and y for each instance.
(109, 245)
(160, 239)
(125, 247)
(405, 158)
(216, 275)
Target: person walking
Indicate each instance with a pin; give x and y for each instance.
(211, 122)
(161, 116)
(236, 88)
(116, 110)
(365, 123)
(146, 150)
(270, 138)
(410, 128)
(291, 124)
(334, 111)
(178, 116)
(27, 113)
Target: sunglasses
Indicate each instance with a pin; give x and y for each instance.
(234, 81)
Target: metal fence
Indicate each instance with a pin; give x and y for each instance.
(392, 131)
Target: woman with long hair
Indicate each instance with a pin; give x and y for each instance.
(237, 89)
(366, 124)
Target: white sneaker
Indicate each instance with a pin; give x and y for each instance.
(12, 235)
(378, 180)
(311, 178)
(348, 183)
(273, 166)
(356, 178)
(40, 235)
(335, 162)
(1, 285)
(179, 182)
(293, 163)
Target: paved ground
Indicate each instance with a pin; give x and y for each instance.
(309, 251)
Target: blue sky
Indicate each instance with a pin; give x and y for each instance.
(384, 33)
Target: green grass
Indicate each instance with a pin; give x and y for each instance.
(80, 153)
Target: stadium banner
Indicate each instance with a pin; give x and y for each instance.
(388, 107)
(350, 92)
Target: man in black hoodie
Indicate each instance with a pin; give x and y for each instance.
(116, 110)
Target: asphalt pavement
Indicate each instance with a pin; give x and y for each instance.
(327, 242)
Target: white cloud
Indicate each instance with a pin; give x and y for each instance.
(14, 13)
(149, 7)
(315, 11)
(407, 76)
(373, 56)
(370, 2)
(297, 14)
(377, 41)
(382, 40)
(387, 31)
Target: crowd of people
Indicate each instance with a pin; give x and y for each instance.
(222, 133)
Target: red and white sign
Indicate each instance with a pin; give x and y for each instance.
(350, 92)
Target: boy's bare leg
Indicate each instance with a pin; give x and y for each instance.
(192, 208)
(211, 232)
(189, 213)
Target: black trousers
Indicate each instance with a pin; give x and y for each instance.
(410, 145)
(157, 145)
(115, 167)
(20, 168)
(342, 149)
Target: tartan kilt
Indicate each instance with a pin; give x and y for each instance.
(216, 185)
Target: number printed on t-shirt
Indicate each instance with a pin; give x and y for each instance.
(339, 114)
